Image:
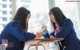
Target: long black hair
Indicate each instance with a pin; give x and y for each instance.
(58, 15)
(21, 15)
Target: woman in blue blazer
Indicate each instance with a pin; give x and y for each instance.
(14, 33)
(65, 30)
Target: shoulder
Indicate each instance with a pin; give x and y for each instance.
(67, 22)
(13, 23)
(0, 40)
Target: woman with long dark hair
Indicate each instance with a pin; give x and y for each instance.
(63, 28)
(15, 32)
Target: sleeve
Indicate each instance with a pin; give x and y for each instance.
(21, 34)
(52, 34)
(0, 40)
(65, 29)
(45, 34)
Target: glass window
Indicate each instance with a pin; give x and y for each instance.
(10, 5)
(10, 18)
(10, 0)
(4, 19)
(4, 0)
(4, 25)
(26, 0)
(0, 19)
(10, 12)
(4, 5)
(1, 27)
(4, 12)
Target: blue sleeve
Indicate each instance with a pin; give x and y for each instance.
(17, 31)
(45, 34)
(0, 40)
(52, 34)
(65, 29)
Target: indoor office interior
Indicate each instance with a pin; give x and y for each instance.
(40, 13)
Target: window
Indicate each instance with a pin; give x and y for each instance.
(10, 5)
(10, 0)
(4, 12)
(4, 0)
(0, 19)
(4, 5)
(4, 19)
(26, 0)
(4, 25)
(1, 27)
(10, 12)
(10, 18)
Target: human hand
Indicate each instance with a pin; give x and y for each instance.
(38, 35)
(52, 37)
(43, 28)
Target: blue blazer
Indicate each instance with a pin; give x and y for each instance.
(70, 42)
(16, 36)
(0, 40)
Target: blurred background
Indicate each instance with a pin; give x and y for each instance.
(39, 12)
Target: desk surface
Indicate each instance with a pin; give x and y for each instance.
(35, 41)
(48, 39)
